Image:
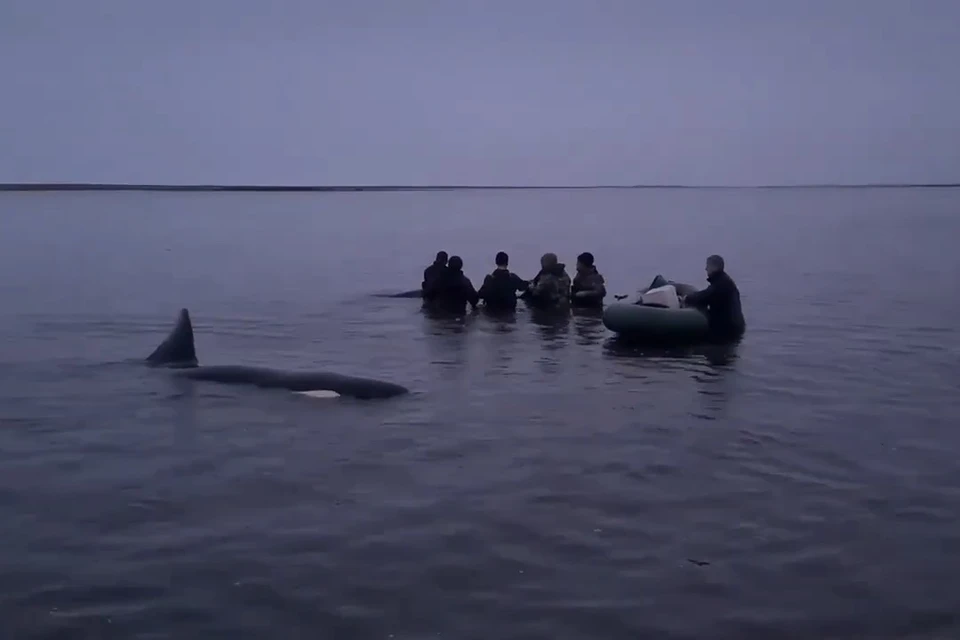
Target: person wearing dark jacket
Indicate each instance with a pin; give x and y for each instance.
(433, 271)
(721, 302)
(588, 289)
(451, 290)
(499, 289)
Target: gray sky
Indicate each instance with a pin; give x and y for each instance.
(470, 92)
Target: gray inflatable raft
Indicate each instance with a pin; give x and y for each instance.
(657, 324)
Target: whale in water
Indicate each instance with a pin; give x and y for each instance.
(178, 352)
(413, 293)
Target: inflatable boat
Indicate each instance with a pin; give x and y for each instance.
(656, 317)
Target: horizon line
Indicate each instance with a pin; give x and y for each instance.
(106, 186)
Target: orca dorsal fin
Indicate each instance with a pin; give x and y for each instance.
(178, 349)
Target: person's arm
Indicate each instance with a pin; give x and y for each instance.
(519, 284)
(533, 283)
(577, 285)
(472, 296)
(593, 287)
(426, 279)
(701, 298)
(540, 286)
(485, 288)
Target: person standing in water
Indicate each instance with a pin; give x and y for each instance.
(431, 273)
(499, 289)
(588, 287)
(720, 301)
(550, 287)
(451, 290)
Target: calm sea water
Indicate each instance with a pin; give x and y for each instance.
(539, 482)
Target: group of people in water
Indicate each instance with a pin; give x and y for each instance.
(445, 288)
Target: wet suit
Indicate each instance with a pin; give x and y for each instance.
(721, 302)
(499, 290)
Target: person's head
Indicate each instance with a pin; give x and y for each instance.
(714, 265)
(548, 260)
(441, 257)
(455, 263)
(502, 260)
(585, 261)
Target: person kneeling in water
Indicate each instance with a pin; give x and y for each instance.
(550, 287)
(499, 289)
(451, 290)
(721, 301)
(588, 287)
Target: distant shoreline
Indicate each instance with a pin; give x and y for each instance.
(54, 186)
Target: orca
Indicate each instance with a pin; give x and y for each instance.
(414, 293)
(178, 352)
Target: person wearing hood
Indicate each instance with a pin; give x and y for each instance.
(432, 272)
(450, 291)
(550, 287)
(499, 289)
(720, 301)
(588, 287)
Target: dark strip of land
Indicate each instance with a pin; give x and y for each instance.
(77, 186)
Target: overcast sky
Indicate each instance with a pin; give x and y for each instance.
(470, 92)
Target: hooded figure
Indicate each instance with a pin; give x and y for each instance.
(551, 287)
